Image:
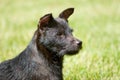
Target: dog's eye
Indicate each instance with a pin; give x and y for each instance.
(60, 33)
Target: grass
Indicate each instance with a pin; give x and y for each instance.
(95, 22)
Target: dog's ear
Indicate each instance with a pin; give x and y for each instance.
(45, 20)
(66, 13)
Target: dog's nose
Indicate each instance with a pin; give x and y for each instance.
(79, 42)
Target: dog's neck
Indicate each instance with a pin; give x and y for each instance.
(39, 52)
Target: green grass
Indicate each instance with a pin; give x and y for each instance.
(95, 22)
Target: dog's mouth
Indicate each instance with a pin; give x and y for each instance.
(74, 51)
(70, 50)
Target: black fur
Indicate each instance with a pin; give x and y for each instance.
(43, 57)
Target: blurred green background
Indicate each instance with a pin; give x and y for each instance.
(95, 22)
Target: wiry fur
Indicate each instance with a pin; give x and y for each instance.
(43, 57)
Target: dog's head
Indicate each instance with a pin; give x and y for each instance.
(56, 35)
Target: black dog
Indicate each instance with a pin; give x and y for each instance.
(43, 57)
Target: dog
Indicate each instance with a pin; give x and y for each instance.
(42, 59)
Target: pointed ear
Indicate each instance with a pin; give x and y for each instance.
(45, 20)
(66, 13)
